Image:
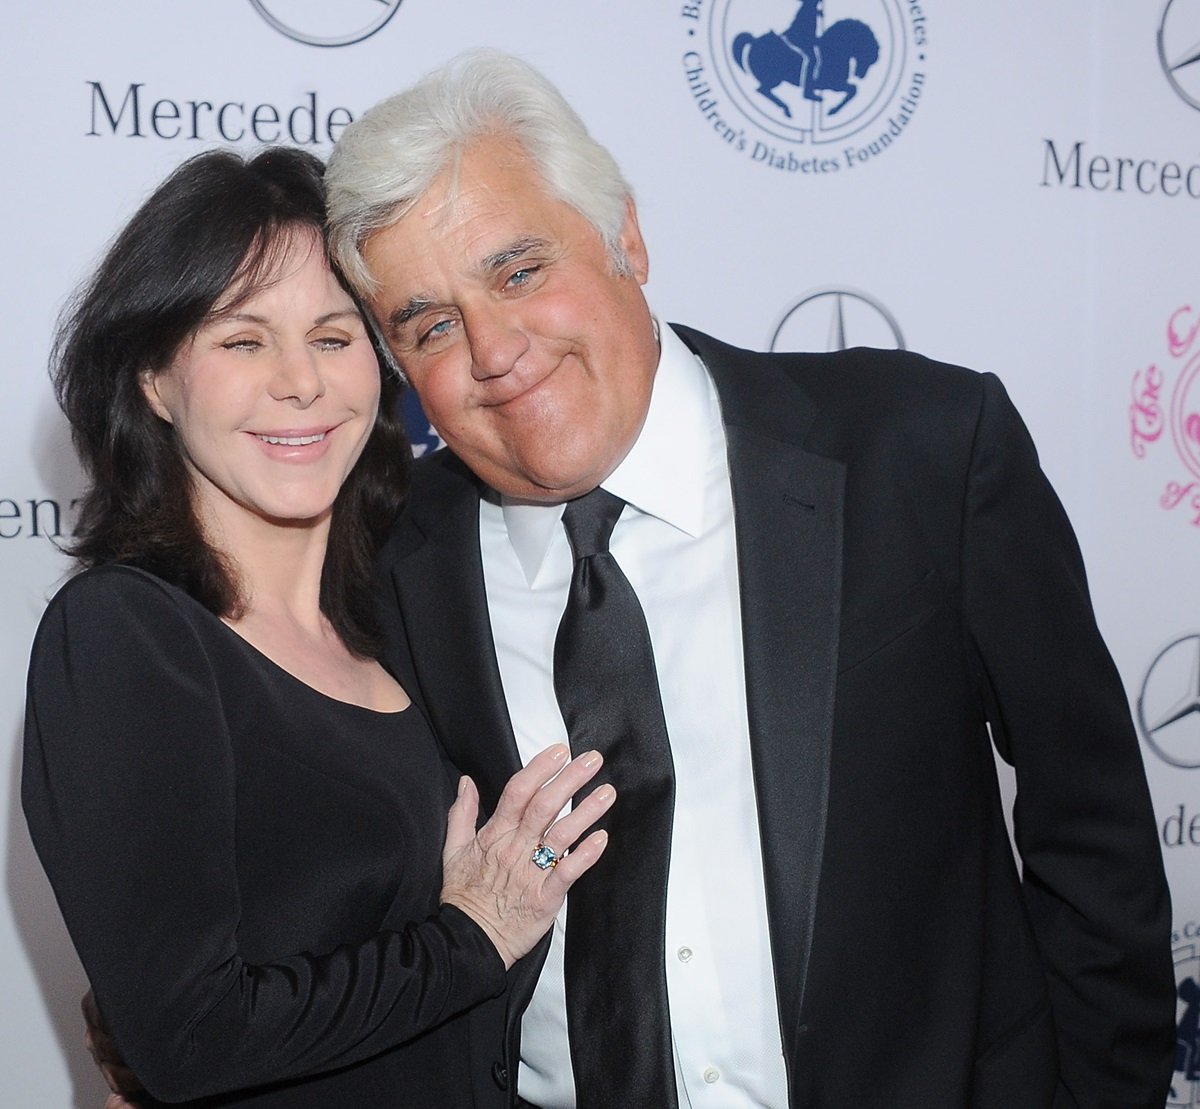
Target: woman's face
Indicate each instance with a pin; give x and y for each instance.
(272, 400)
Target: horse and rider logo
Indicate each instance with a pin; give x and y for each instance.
(845, 75)
(833, 60)
(1185, 1083)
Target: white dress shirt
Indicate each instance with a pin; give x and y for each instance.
(675, 543)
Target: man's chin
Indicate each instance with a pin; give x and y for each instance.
(557, 469)
(544, 487)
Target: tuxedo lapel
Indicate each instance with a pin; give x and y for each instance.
(437, 576)
(788, 520)
(437, 573)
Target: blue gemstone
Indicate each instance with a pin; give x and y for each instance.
(544, 856)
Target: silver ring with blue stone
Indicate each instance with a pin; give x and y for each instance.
(544, 856)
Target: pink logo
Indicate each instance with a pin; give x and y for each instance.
(1148, 417)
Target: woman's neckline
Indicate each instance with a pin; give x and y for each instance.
(278, 666)
(258, 653)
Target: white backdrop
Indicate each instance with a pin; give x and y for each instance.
(1012, 188)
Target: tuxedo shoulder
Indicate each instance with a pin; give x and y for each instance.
(889, 405)
(858, 377)
(889, 382)
(440, 486)
(860, 367)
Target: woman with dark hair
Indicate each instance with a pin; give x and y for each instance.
(243, 817)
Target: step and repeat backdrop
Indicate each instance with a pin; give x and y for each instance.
(1002, 186)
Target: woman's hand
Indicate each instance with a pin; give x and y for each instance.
(121, 1080)
(491, 875)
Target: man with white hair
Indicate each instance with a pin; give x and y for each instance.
(850, 569)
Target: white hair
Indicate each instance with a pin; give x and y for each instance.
(386, 160)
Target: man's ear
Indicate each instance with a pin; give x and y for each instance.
(148, 380)
(633, 245)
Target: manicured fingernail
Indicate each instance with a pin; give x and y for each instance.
(560, 752)
(462, 785)
(592, 758)
(606, 795)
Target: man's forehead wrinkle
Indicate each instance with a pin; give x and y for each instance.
(465, 213)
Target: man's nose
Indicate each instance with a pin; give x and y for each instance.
(497, 340)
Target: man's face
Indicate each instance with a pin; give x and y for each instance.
(533, 359)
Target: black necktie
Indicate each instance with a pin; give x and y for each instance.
(607, 688)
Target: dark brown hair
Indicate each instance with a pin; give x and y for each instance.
(218, 222)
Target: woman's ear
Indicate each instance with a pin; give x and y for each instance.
(148, 380)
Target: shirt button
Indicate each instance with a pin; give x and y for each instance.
(712, 1075)
(685, 954)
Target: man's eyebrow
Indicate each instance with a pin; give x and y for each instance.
(414, 306)
(398, 317)
(527, 245)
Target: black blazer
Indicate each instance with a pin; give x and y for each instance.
(908, 581)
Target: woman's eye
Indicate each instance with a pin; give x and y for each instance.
(331, 342)
(241, 344)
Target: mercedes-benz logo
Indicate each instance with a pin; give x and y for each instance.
(1168, 708)
(320, 23)
(1179, 48)
(834, 319)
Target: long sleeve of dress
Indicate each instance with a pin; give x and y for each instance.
(131, 794)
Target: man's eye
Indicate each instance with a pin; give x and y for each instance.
(522, 277)
(437, 330)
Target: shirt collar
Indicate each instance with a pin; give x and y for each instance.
(662, 475)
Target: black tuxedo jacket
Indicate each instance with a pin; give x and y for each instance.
(909, 583)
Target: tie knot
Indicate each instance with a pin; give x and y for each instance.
(589, 521)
